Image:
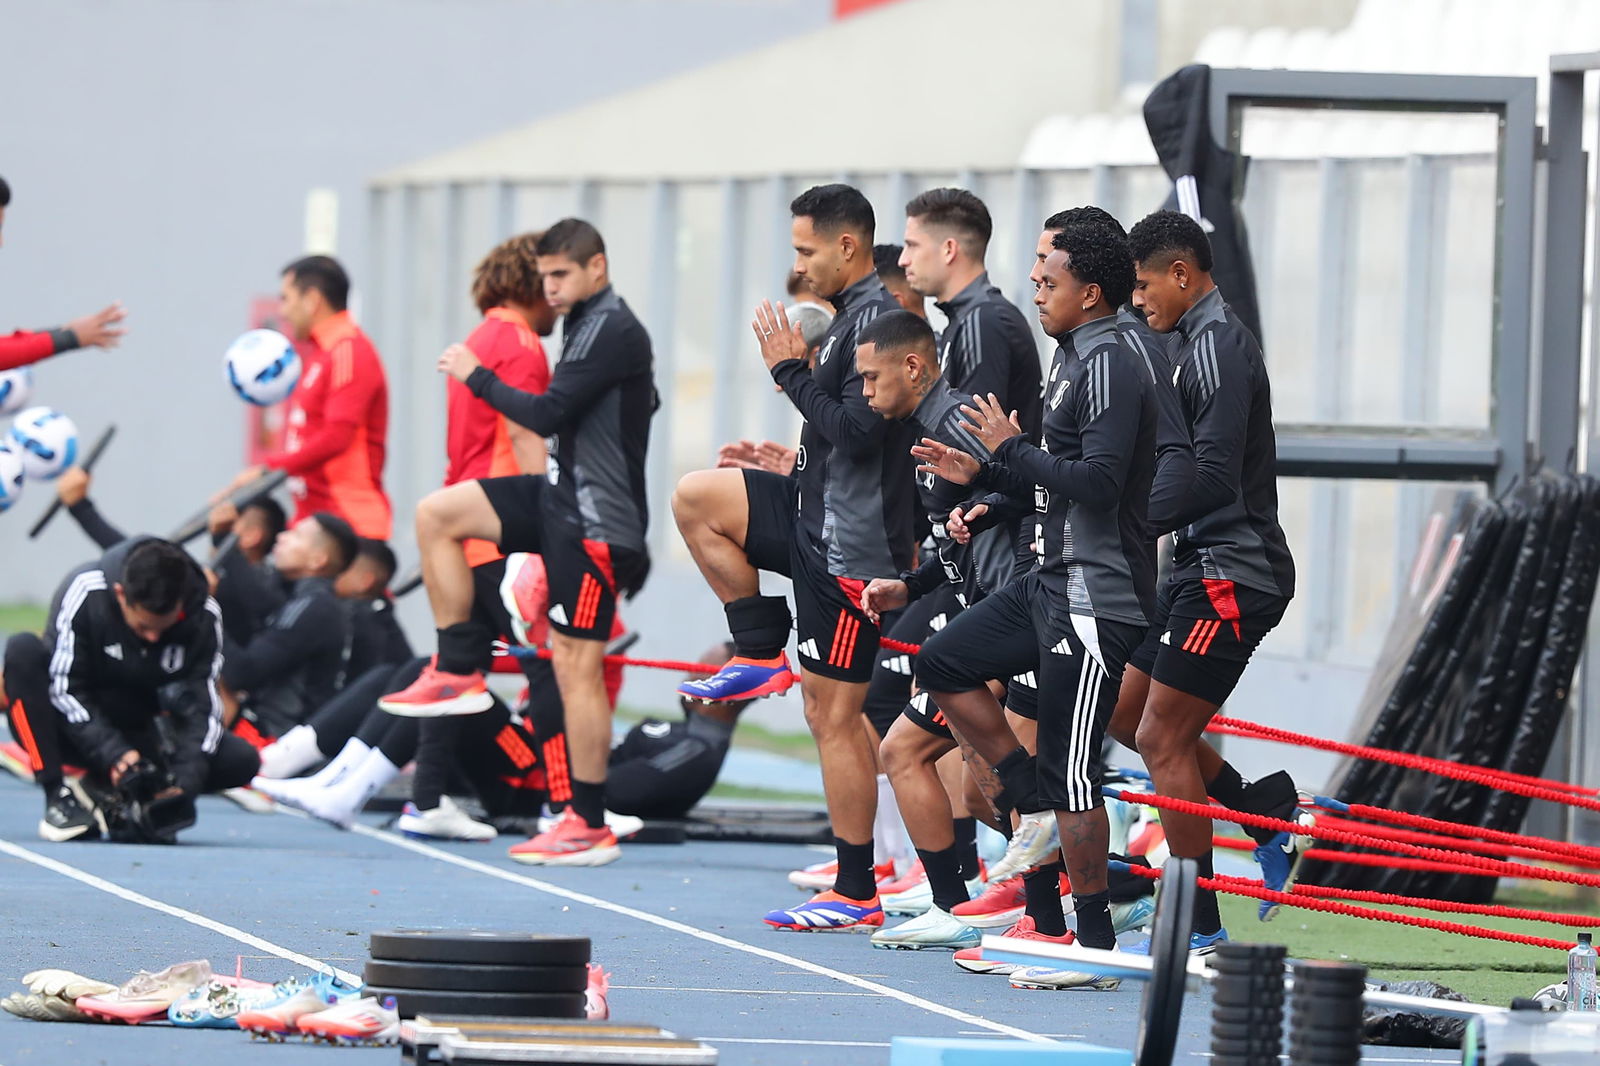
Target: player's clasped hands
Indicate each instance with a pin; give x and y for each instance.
(884, 594)
(459, 362)
(778, 338)
(957, 524)
(989, 422)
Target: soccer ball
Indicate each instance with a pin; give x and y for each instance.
(16, 389)
(263, 367)
(46, 440)
(10, 478)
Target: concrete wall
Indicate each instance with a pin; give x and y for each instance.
(160, 152)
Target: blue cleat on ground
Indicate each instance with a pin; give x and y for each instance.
(829, 912)
(1199, 943)
(742, 679)
(1277, 858)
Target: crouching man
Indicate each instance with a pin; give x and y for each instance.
(124, 684)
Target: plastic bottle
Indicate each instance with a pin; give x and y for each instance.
(1583, 991)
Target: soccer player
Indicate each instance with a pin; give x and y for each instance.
(124, 682)
(100, 330)
(1232, 573)
(1076, 618)
(587, 517)
(845, 517)
(338, 414)
(886, 261)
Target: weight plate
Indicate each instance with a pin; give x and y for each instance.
(480, 948)
(1244, 1015)
(412, 1001)
(1233, 951)
(1161, 1012)
(456, 977)
(1245, 995)
(1261, 1032)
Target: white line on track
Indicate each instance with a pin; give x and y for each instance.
(112, 888)
(699, 934)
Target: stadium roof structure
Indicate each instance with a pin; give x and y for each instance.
(942, 85)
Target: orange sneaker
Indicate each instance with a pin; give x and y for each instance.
(1000, 905)
(436, 694)
(972, 960)
(571, 843)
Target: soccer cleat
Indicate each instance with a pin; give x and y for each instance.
(67, 817)
(828, 912)
(933, 928)
(251, 800)
(596, 1006)
(15, 760)
(999, 906)
(571, 843)
(146, 996)
(436, 694)
(1199, 944)
(525, 592)
(1135, 914)
(622, 826)
(742, 679)
(819, 876)
(919, 897)
(1053, 978)
(913, 877)
(444, 822)
(1035, 837)
(356, 1020)
(218, 1004)
(278, 1016)
(972, 960)
(1278, 858)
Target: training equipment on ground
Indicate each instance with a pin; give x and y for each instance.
(16, 389)
(467, 977)
(437, 1038)
(46, 440)
(480, 948)
(262, 366)
(96, 450)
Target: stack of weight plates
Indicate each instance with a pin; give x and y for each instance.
(1325, 1020)
(1247, 1004)
(496, 974)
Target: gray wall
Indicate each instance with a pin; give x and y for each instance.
(160, 152)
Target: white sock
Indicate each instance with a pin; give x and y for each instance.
(344, 799)
(291, 754)
(349, 756)
(890, 841)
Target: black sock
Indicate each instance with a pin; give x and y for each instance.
(854, 880)
(1207, 919)
(1094, 920)
(759, 624)
(967, 847)
(1274, 796)
(1019, 773)
(589, 800)
(462, 648)
(944, 877)
(1043, 888)
(1227, 788)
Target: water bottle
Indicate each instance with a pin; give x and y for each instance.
(1583, 989)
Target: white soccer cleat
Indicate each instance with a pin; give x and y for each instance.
(444, 822)
(1036, 836)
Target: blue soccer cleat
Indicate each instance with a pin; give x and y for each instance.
(742, 679)
(828, 912)
(1277, 858)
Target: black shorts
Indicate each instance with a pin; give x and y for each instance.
(585, 576)
(836, 638)
(890, 692)
(1203, 635)
(1078, 661)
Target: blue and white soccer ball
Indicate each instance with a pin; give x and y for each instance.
(10, 477)
(16, 389)
(46, 440)
(263, 367)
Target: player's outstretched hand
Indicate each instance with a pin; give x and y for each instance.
(459, 362)
(103, 329)
(775, 457)
(937, 458)
(72, 487)
(884, 594)
(779, 340)
(739, 454)
(956, 524)
(988, 421)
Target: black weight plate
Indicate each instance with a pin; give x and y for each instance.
(1247, 1016)
(1245, 995)
(479, 948)
(1261, 1032)
(1328, 1013)
(1319, 970)
(1232, 950)
(1247, 970)
(412, 1001)
(1245, 1049)
(1161, 1012)
(456, 977)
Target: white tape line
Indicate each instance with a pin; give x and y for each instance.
(191, 917)
(700, 934)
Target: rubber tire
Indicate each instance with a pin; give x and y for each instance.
(1161, 1012)
(479, 948)
(459, 977)
(413, 1001)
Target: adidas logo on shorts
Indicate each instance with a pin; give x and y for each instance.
(808, 649)
(1062, 648)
